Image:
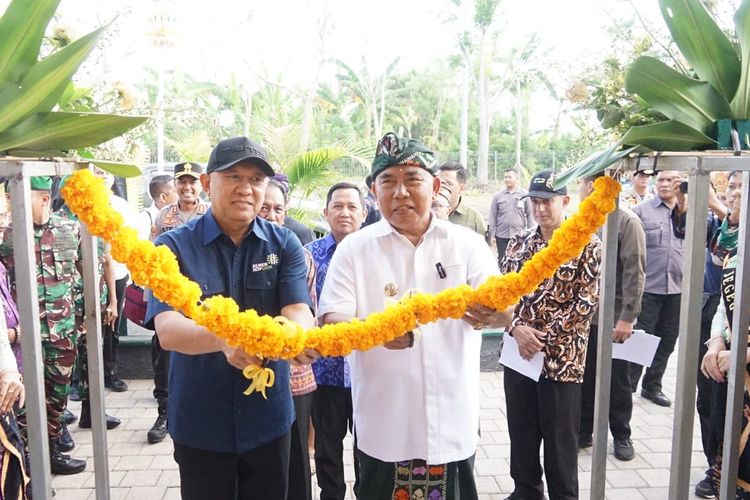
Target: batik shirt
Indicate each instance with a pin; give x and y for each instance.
(561, 307)
(333, 371)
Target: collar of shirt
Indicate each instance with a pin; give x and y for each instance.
(330, 242)
(459, 207)
(211, 229)
(384, 228)
(656, 201)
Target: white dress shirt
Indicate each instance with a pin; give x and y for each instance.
(421, 402)
(145, 221)
(121, 206)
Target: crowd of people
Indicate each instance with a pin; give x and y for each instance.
(411, 405)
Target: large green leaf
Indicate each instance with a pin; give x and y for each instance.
(66, 131)
(593, 164)
(312, 169)
(667, 136)
(741, 101)
(45, 82)
(703, 43)
(118, 169)
(21, 32)
(678, 97)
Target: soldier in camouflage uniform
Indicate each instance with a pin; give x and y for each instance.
(81, 368)
(58, 253)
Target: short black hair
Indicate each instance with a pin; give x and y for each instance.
(368, 181)
(512, 170)
(453, 166)
(273, 182)
(344, 185)
(157, 184)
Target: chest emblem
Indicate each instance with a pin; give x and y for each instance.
(271, 260)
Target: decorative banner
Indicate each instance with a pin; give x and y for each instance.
(157, 268)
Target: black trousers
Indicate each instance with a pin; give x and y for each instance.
(332, 418)
(260, 474)
(706, 386)
(620, 395)
(502, 244)
(111, 334)
(160, 363)
(660, 316)
(546, 411)
(378, 479)
(300, 477)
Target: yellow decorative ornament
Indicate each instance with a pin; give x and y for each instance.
(266, 337)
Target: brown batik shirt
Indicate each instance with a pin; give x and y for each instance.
(562, 306)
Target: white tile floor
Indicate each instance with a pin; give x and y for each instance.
(141, 470)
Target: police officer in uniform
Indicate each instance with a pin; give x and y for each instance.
(189, 203)
(189, 206)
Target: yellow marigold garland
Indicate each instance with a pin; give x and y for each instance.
(157, 268)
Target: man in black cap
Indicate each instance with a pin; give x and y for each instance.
(229, 445)
(553, 320)
(189, 203)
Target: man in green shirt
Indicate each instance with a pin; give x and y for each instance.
(454, 175)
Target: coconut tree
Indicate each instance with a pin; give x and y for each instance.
(702, 108)
(31, 90)
(309, 170)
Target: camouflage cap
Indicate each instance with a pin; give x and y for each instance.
(39, 183)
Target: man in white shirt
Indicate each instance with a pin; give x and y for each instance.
(111, 336)
(163, 193)
(415, 399)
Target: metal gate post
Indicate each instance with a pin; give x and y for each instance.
(689, 333)
(737, 370)
(608, 284)
(31, 345)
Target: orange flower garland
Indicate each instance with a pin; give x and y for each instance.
(157, 268)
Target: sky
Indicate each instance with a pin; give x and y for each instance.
(212, 39)
(257, 39)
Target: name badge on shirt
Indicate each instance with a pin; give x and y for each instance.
(271, 260)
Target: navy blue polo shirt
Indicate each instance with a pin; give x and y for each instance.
(207, 408)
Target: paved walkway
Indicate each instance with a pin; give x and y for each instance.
(139, 470)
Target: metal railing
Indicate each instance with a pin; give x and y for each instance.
(698, 166)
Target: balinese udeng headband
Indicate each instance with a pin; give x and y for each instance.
(393, 150)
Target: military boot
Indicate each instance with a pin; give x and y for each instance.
(69, 417)
(85, 421)
(65, 441)
(158, 431)
(63, 464)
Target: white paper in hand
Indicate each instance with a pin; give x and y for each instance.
(511, 358)
(640, 348)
